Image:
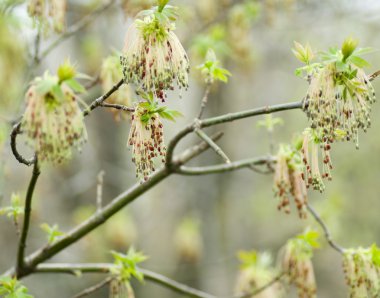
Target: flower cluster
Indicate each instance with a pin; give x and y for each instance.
(53, 121)
(48, 14)
(338, 105)
(288, 180)
(255, 272)
(297, 264)
(154, 58)
(146, 139)
(362, 271)
(110, 74)
(340, 95)
(312, 142)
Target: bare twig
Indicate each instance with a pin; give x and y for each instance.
(261, 289)
(106, 267)
(20, 265)
(117, 107)
(99, 191)
(15, 131)
(212, 145)
(224, 119)
(94, 288)
(148, 275)
(100, 100)
(204, 100)
(325, 229)
(206, 170)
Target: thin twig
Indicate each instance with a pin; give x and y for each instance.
(15, 131)
(99, 191)
(116, 106)
(261, 289)
(233, 166)
(81, 24)
(94, 288)
(212, 145)
(106, 267)
(204, 100)
(224, 119)
(100, 100)
(325, 229)
(20, 265)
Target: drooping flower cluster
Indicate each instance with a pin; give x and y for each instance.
(154, 58)
(288, 181)
(340, 95)
(255, 272)
(110, 74)
(338, 105)
(146, 138)
(311, 145)
(362, 271)
(48, 14)
(53, 121)
(297, 265)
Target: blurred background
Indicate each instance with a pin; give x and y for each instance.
(192, 227)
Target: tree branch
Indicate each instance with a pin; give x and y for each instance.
(250, 113)
(106, 212)
(106, 267)
(224, 119)
(325, 229)
(204, 100)
(15, 131)
(117, 107)
(246, 163)
(212, 145)
(20, 265)
(99, 101)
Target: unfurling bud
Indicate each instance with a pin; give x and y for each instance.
(348, 47)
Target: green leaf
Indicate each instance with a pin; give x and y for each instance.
(75, 85)
(375, 252)
(52, 232)
(57, 92)
(303, 53)
(364, 51)
(45, 85)
(221, 74)
(359, 62)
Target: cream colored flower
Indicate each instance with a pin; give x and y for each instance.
(53, 126)
(154, 58)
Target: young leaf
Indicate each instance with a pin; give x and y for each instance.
(75, 85)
